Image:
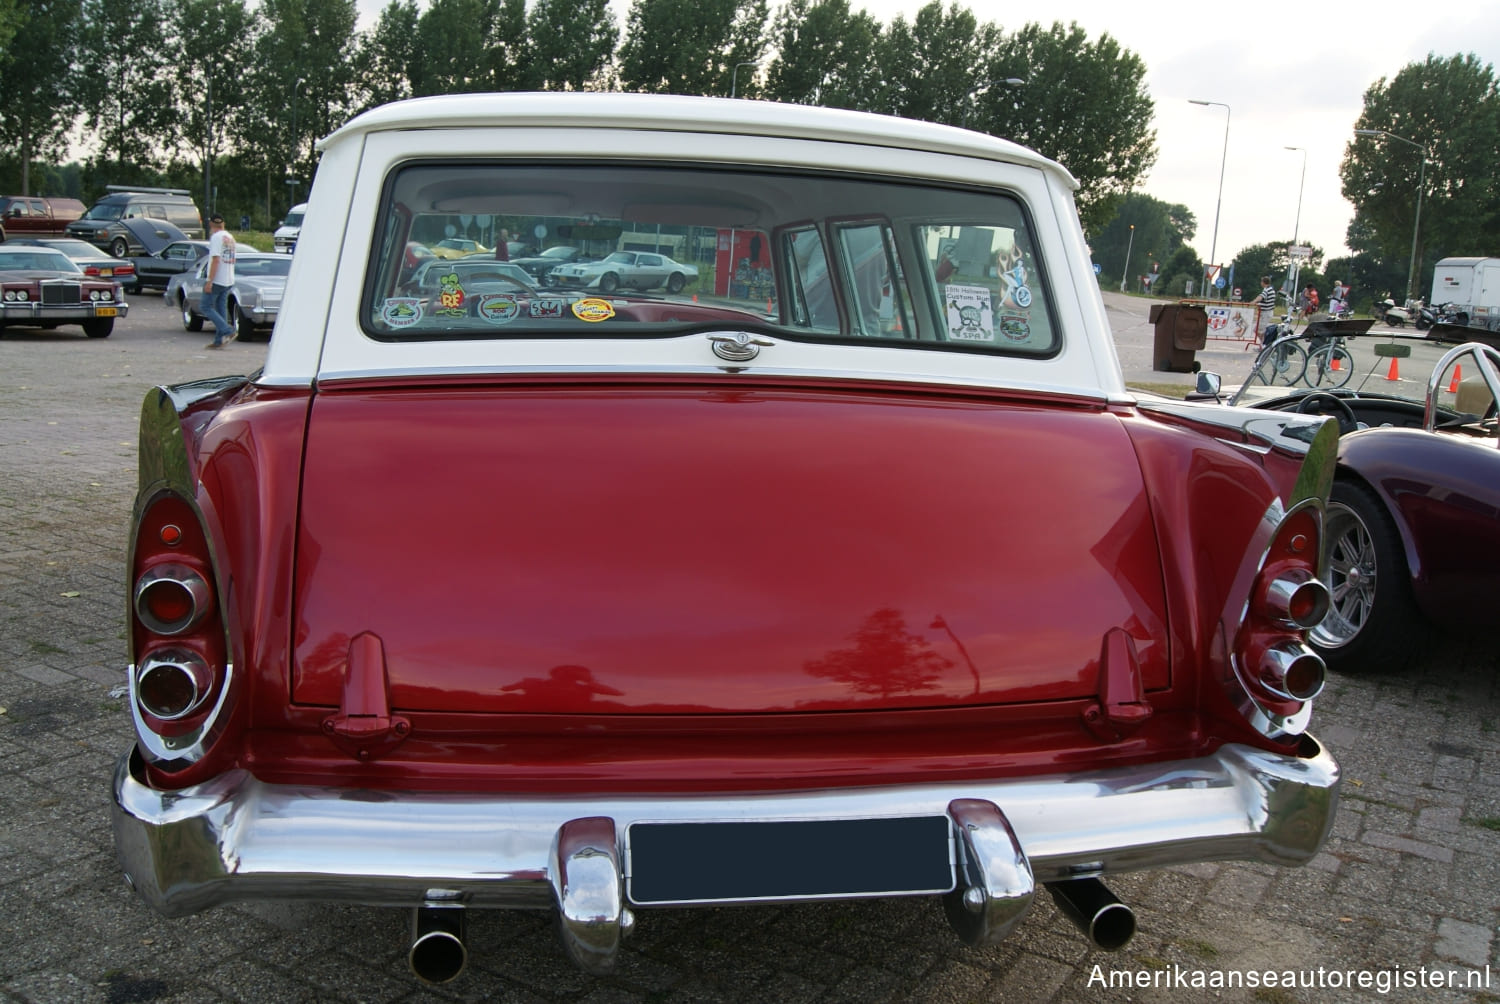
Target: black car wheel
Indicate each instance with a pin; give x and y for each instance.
(1372, 622)
(675, 282)
(243, 322)
(119, 247)
(190, 320)
(99, 327)
(609, 282)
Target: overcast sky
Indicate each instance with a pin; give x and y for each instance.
(1295, 76)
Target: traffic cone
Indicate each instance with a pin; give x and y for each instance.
(1394, 373)
(1334, 362)
(1458, 374)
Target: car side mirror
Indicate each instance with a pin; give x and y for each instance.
(1208, 387)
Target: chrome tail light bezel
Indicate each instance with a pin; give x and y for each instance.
(172, 575)
(169, 667)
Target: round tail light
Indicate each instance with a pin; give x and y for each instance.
(171, 598)
(172, 683)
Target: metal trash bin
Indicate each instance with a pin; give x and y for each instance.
(1181, 330)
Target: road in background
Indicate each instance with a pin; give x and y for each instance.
(1411, 877)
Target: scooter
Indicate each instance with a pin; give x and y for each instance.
(1426, 316)
(1396, 316)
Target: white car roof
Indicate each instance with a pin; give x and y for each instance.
(686, 114)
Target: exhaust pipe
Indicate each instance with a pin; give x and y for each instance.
(1097, 912)
(437, 952)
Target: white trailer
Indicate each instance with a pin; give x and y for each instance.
(1472, 286)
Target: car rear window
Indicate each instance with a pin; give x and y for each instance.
(508, 250)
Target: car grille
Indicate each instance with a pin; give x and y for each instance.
(59, 294)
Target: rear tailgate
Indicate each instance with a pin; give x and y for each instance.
(672, 549)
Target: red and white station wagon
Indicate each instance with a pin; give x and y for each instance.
(850, 570)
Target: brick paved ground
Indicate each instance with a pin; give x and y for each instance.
(1411, 877)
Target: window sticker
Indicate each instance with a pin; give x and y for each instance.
(971, 318)
(450, 296)
(1015, 328)
(550, 307)
(593, 310)
(401, 311)
(497, 308)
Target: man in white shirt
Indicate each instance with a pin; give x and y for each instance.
(221, 252)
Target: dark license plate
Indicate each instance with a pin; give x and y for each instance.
(791, 859)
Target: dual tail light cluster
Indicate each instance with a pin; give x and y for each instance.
(1288, 599)
(178, 637)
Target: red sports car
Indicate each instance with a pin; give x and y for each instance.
(828, 576)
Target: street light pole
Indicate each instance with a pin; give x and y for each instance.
(1297, 226)
(1213, 248)
(1125, 273)
(1411, 269)
(734, 78)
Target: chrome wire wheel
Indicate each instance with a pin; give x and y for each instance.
(1351, 578)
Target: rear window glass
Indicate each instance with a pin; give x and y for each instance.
(588, 251)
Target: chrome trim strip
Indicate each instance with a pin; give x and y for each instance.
(237, 838)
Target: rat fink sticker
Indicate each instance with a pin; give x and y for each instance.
(401, 311)
(498, 308)
(971, 317)
(593, 310)
(450, 296)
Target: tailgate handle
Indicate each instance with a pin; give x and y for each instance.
(364, 727)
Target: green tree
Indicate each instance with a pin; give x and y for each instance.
(385, 56)
(935, 66)
(10, 21)
(825, 55)
(1446, 110)
(125, 83)
(570, 43)
(1161, 230)
(1084, 105)
(676, 48)
(38, 84)
(210, 87)
(470, 46)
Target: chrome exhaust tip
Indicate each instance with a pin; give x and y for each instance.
(1107, 923)
(438, 953)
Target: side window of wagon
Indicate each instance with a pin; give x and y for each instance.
(987, 282)
(809, 284)
(872, 274)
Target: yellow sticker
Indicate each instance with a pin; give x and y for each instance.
(593, 310)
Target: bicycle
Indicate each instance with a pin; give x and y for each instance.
(1329, 364)
(1283, 360)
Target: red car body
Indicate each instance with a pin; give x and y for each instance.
(688, 615)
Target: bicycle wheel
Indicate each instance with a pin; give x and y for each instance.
(1281, 365)
(1330, 366)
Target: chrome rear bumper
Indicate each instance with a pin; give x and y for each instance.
(236, 838)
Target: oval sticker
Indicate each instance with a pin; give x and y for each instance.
(498, 308)
(593, 310)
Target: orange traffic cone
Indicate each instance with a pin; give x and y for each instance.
(1334, 362)
(1458, 374)
(1394, 373)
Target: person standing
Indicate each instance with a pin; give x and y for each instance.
(221, 252)
(1265, 305)
(502, 246)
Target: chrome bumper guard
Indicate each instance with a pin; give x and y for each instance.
(236, 838)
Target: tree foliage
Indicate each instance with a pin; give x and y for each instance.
(676, 48)
(569, 44)
(39, 99)
(1161, 230)
(825, 55)
(1446, 110)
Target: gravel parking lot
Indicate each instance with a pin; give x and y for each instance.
(1407, 891)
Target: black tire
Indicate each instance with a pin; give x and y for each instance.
(609, 282)
(1372, 623)
(242, 322)
(190, 320)
(99, 327)
(675, 282)
(119, 247)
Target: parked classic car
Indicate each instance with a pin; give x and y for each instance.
(1413, 527)
(540, 267)
(42, 287)
(628, 269)
(156, 270)
(893, 591)
(89, 259)
(254, 302)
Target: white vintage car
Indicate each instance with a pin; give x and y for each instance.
(627, 270)
(853, 572)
